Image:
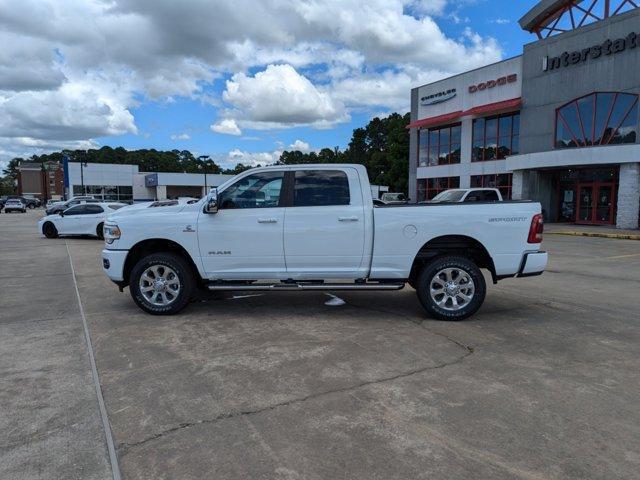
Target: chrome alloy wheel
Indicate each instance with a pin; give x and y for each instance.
(160, 285)
(452, 289)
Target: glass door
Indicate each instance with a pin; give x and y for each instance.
(604, 202)
(585, 203)
(567, 204)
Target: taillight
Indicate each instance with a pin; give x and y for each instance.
(537, 227)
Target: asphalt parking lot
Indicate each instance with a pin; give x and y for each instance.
(543, 383)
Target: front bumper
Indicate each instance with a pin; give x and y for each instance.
(113, 264)
(533, 263)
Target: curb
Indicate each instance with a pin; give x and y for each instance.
(618, 236)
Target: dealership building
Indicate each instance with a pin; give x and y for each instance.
(557, 124)
(126, 183)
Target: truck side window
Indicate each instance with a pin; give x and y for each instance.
(317, 188)
(260, 190)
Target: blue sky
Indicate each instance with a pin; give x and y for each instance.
(240, 81)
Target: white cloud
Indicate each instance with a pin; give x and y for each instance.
(252, 159)
(227, 126)
(430, 7)
(280, 96)
(181, 136)
(300, 146)
(75, 70)
(501, 21)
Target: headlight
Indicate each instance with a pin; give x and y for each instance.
(111, 233)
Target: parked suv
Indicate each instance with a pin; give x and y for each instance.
(30, 202)
(15, 205)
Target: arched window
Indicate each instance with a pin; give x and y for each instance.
(601, 118)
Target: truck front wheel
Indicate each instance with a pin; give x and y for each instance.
(161, 283)
(451, 288)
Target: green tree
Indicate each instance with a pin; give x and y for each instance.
(382, 146)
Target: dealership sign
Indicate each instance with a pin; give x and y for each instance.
(608, 47)
(438, 97)
(498, 82)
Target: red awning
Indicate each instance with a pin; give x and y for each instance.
(479, 110)
(440, 119)
(494, 107)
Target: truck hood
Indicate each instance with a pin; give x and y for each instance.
(142, 211)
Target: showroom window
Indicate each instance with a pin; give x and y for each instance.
(494, 138)
(105, 192)
(430, 187)
(601, 118)
(439, 146)
(501, 181)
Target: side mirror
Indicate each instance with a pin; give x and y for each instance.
(61, 213)
(211, 204)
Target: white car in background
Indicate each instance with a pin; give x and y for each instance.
(466, 195)
(83, 219)
(15, 205)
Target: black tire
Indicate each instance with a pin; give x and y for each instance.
(49, 230)
(100, 231)
(31, 206)
(467, 269)
(183, 272)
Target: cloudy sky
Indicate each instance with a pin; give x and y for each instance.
(238, 80)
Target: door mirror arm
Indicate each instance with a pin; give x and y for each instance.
(211, 204)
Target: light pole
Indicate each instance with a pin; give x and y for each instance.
(203, 159)
(83, 164)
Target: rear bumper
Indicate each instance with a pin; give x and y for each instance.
(113, 264)
(533, 263)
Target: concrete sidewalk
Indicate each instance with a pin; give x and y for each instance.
(590, 231)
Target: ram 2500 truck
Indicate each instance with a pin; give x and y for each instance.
(314, 227)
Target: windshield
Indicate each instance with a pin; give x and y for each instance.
(449, 196)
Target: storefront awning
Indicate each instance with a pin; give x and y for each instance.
(479, 110)
(440, 119)
(493, 107)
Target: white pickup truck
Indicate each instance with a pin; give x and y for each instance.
(314, 227)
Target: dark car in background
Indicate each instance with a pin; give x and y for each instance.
(62, 206)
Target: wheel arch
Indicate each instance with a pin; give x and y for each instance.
(156, 245)
(48, 222)
(461, 245)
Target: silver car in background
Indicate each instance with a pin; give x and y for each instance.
(15, 205)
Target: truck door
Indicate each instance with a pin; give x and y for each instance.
(243, 240)
(324, 227)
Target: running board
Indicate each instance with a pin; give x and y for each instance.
(307, 286)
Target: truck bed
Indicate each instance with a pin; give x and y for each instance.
(400, 231)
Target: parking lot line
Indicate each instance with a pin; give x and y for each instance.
(623, 256)
(113, 458)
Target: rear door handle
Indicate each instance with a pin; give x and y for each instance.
(267, 220)
(347, 219)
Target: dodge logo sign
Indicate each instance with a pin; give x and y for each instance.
(493, 83)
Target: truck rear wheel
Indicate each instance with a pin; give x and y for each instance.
(161, 283)
(451, 288)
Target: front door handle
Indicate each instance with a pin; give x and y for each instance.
(347, 219)
(267, 220)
